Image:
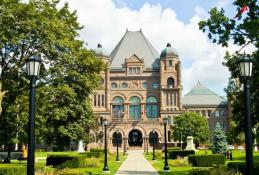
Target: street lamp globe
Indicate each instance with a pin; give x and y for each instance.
(33, 66)
(105, 122)
(153, 131)
(165, 120)
(245, 66)
(117, 131)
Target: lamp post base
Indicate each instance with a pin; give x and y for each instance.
(106, 169)
(166, 168)
(117, 159)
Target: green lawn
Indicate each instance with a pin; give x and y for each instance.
(158, 164)
(113, 165)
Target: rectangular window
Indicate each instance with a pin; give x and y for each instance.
(203, 113)
(99, 100)
(216, 113)
(94, 100)
(167, 100)
(209, 113)
(134, 70)
(171, 99)
(130, 70)
(170, 62)
(102, 100)
(138, 70)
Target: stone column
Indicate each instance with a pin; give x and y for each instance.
(143, 114)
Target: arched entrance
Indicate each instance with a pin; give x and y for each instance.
(135, 138)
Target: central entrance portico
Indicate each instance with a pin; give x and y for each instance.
(135, 138)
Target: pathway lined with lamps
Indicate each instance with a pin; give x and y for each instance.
(136, 164)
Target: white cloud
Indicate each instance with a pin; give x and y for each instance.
(106, 23)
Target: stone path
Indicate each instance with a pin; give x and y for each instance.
(136, 164)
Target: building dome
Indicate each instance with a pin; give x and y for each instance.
(169, 52)
(100, 52)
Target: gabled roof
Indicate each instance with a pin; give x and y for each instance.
(201, 95)
(134, 43)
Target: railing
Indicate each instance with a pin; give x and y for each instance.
(126, 120)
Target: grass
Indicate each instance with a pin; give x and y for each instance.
(113, 165)
(158, 164)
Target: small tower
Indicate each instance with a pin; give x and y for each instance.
(170, 80)
(101, 96)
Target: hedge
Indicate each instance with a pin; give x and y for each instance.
(241, 166)
(206, 160)
(10, 170)
(173, 148)
(173, 154)
(55, 160)
(100, 150)
(14, 155)
(199, 172)
(92, 154)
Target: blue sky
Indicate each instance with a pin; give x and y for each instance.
(184, 8)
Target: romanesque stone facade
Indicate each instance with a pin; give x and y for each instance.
(139, 88)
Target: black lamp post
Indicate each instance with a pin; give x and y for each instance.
(245, 65)
(33, 69)
(166, 167)
(154, 139)
(147, 143)
(105, 168)
(117, 144)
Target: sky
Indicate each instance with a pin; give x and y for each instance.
(161, 21)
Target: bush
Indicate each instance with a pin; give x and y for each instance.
(100, 150)
(92, 154)
(199, 172)
(180, 162)
(207, 160)
(241, 166)
(14, 155)
(12, 170)
(173, 154)
(80, 161)
(55, 160)
(173, 148)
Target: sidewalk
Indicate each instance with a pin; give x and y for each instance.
(136, 164)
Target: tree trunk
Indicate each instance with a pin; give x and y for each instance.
(8, 158)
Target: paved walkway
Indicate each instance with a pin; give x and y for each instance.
(136, 164)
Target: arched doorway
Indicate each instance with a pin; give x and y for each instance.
(153, 137)
(116, 136)
(135, 138)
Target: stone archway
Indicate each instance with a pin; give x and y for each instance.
(135, 138)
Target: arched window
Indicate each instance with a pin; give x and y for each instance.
(170, 82)
(117, 107)
(135, 109)
(152, 107)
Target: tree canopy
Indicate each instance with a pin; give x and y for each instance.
(243, 32)
(69, 73)
(192, 124)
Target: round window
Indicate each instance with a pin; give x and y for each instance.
(124, 85)
(114, 85)
(101, 81)
(155, 85)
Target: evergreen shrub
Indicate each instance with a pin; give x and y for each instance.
(199, 172)
(207, 160)
(241, 167)
(173, 154)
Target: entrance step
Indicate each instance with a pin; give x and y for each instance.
(135, 148)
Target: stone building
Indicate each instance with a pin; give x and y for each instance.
(207, 103)
(138, 89)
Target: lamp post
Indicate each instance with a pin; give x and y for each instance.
(147, 141)
(33, 69)
(166, 167)
(181, 141)
(153, 133)
(117, 144)
(105, 168)
(245, 66)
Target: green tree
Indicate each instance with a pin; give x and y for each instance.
(191, 124)
(242, 31)
(68, 75)
(219, 143)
